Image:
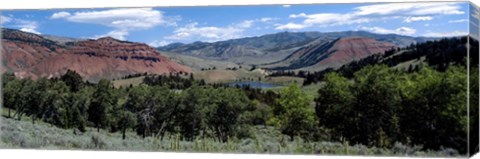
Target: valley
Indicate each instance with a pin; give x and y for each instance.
(367, 79)
(31, 55)
(279, 88)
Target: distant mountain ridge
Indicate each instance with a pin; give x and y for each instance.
(32, 55)
(274, 47)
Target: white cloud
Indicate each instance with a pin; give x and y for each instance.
(4, 19)
(286, 6)
(122, 20)
(207, 33)
(20, 24)
(411, 9)
(117, 34)
(130, 18)
(28, 26)
(249, 23)
(30, 30)
(290, 26)
(267, 19)
(194, 32)
(157, 43)
(400, 31)
(322, 20)
(334, 19)
(60, 15)
(458, 21)
(301, 15)
(368, 13)
(246, 24)
(420, 18)
(445, 34)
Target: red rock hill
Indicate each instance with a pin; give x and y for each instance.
(30, 55)
(326, 53)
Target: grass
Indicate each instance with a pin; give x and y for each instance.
(414, 62)
(283, 80)
(23, 134)
(217, 76)
(225, 76)
(4, 113)
(127, 82)
(312, 89)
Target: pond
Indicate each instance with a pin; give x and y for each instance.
(252, 84)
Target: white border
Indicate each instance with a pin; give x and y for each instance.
(67, 154)
(68, 4)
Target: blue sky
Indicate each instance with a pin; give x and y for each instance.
(163, 25)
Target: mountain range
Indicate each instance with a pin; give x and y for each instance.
(272, 48)
(32, 55)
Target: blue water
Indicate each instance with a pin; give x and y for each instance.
(261, 85)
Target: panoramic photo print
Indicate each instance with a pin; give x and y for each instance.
(371, 79)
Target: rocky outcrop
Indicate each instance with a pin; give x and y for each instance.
(31, 55)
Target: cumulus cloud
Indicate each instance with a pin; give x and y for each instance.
(194, 32)
(122, 20)
(159, 43)
(251, 22)
(267, 19)
(400, 31)
(458, 21)
(30, 30)
(21, 24)
(445, 34)
(411, 9)
(414, 19)
(246, 24)
(27, 26)
(60, 15)
(290, 26)
(208, 33)
(368, 13)
(117, 34)
(322, 20)
(300, 15)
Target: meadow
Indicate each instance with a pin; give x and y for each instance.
(24, 134)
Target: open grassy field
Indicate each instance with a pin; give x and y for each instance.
(284, 80)
(24, 134)
(414, 62)
(224, 76)
(312, 89)
(127, 82)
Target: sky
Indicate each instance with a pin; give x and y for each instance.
(164, 25)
